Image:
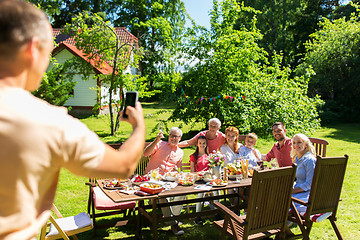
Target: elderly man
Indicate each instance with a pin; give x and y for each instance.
(214, 137)
(38, 139)
(282, 148)
(167, 157)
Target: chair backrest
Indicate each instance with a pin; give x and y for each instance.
(65, 227)
(320, 146)
(185, 167)
(326, 185)
(269, 200)
(242, 139)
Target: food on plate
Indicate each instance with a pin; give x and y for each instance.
(171, 176)
(115, 183)
(218, 182)
(140, 178)
(187, 179)
(232, 169)
(155, 174)
(151, 185)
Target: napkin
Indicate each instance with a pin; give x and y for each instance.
(203, 187)
(169, 185)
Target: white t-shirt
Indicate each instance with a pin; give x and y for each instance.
(36, 140)
(230, 156)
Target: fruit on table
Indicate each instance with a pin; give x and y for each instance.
(139, 178)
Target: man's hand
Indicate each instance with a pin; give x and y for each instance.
(135, 115)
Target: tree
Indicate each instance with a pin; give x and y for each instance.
(159, 25)
(56, 86)
(61, 12)
(286, 25)
(101, 45)
(230, 64)
(334, 55)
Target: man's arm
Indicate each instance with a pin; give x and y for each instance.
(150, 148)
(122, 163)
(188, 143)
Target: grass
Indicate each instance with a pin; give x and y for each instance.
(72, 194)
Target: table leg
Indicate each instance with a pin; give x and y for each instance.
(154, 218)
(139, 219)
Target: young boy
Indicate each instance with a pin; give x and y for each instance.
(249, 152)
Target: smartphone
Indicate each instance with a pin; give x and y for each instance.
(130, 100)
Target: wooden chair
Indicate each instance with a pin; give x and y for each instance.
(185, 167)
(268, 206)
(324, 194)
(100, 205)
(320, 146)
(66, 227)
(98, 201)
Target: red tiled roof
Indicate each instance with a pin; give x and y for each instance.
(68, 42)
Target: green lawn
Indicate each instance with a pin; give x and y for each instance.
(343, 139)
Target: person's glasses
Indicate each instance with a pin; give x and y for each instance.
(174, 136)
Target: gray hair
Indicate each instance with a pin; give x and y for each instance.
(176, 129)
(215, 120)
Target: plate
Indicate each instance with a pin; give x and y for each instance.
(111, 187)
(145, 187)
(222, 185)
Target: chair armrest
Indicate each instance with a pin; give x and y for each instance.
(232, 215)
(91, 184)
(299, 201)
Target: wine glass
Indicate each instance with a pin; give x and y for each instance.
(161, 127)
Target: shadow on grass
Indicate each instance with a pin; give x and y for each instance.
(345, 132)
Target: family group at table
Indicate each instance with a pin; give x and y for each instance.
(168, 156)
(39, 139)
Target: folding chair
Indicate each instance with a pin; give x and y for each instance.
(268, 206)
(66, 227)
(324, 195)
(320, 146)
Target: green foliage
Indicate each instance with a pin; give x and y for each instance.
(334, 55)
(56, 86)
(97, 39)
(286, 25)
(231, 63)
(159, 26)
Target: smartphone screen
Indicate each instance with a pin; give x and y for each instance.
(130, 100)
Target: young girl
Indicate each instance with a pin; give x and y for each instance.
(199, 162)
(249, 152)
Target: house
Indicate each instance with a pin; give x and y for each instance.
(92, 91)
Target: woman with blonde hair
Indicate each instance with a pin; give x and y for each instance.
(304, 155)
(231, 146)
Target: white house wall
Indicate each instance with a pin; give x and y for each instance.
(84, 91)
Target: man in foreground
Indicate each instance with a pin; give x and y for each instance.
(38, 139)
(282, 148)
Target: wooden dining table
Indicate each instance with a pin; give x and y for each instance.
(151, 202)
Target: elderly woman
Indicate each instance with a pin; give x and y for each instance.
(214, 137)
(304, 155)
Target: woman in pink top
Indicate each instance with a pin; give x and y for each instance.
(214, 137)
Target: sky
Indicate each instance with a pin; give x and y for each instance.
(199, 10)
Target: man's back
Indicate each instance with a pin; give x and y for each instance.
(36, 139)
